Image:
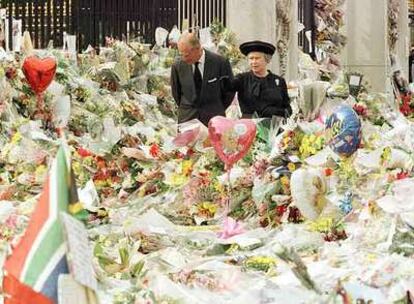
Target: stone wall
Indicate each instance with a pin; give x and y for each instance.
(256, 20)
(367, 49)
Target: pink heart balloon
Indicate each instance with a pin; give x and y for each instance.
(231, 138)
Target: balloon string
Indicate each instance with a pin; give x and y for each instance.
(229, 194)
(40, 104)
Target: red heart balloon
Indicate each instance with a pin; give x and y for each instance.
(231, 138)
(39, 72)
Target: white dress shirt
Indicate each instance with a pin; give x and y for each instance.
(201, 62)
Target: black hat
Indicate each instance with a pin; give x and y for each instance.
(257, 46)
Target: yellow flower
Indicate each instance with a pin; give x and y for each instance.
(386, 155)
(76, 167)
(233, 248)
(285, 181)
(75, 208)
(16, 138)
(263, 263)
(89, 161)
(322, 225)
(142, 191)
(102, 183)
(371, 257)
(40, 170)
(218, 187)
(375, 137)
(373, 208)
(187, 167)
(312, 138)
(40, 173)
(291, 167)
(208, 207)
(305, 141)
(178, 179)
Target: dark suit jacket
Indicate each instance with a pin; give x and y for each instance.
(214, 98)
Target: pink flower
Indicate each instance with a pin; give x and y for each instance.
(123, 194)
(230, 228)
(191, 192)
(320, 119)
(11, 221)
(229, 281)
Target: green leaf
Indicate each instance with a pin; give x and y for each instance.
(98, 250)
(137, 268)
(124, 254)
(218, 249)
(82, 215)
(105, 261)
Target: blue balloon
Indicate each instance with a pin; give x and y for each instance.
(344, 129)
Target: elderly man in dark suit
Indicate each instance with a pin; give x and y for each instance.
(196, 81)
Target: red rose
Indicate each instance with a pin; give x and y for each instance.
(405, 107)
(280, 210)
(402, 175)
(100, 162)
(328, 171)
(154, 150)
(83, 152)
(190, 152)
(360, 109)
(179, 154)
(101, 175)
(11, 73)
(294, 215)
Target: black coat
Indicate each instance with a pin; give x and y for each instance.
(213, 100)
(266, 96)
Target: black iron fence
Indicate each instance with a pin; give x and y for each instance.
(46, 20)
(306, 16)
(200, 13)
(122, 19)
(93, 20)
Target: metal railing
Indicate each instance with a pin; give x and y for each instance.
(306, 16)
(93, 20)
(200, 13)
(46, 20)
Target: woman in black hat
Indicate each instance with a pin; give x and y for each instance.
(260, 91)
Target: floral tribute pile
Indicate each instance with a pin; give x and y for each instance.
(330, 40)
(299, 219)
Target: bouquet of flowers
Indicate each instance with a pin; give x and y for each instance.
(371, 107)
(225, 40)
